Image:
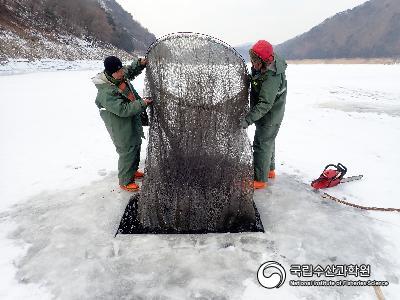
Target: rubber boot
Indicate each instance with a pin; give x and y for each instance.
(271, 174)
(259, 185)
(131, 187)
(139, 174)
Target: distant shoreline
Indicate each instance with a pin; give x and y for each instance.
(386, 61)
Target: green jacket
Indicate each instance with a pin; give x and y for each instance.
(268, 95)
(120, 115)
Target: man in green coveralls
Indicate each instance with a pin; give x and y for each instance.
(267, 107)
(120, 108)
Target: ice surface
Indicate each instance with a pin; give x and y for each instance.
(23, 66)
(72, 250)
(60, 205)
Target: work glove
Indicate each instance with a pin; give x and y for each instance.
(147, 101)
(244, 124)
(143, 61)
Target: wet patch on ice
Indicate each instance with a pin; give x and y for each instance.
(363, 101)
(345, 93)
(74, 254)
(363, 107)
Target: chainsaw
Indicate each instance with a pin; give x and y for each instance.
(332, 176)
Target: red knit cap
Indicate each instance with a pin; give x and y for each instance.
(264, 50)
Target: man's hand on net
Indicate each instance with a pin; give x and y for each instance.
(143, 61)
(244, 124)
(147, 101)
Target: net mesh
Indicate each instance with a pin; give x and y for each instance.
(199, 162)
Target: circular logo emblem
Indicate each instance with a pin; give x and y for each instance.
(276, 277)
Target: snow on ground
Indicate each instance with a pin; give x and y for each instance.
(60, 205)
(23, 66)
(348, 114)
(34, 44)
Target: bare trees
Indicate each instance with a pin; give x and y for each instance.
(83, 18)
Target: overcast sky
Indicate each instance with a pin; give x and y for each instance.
(235, 21)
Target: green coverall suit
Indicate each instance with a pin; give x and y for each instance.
(267, 107)
(122, 119)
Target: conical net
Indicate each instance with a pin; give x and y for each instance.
(199, 169)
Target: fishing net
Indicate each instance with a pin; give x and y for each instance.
(199, 168)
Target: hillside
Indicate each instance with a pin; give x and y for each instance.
(371, 30)
(243, 50)
(75, 29)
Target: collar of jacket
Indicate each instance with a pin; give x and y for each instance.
(280, 65)
(114, 81)
(259, 76)
(128, 92)
(277, 67)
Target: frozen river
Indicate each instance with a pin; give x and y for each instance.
(60, 203)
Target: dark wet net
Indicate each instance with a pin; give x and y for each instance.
(199, 162)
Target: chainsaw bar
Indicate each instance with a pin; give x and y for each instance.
(351, 178)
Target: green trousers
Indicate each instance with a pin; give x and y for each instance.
(128, 163)
(127, 143)
(264, 151)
